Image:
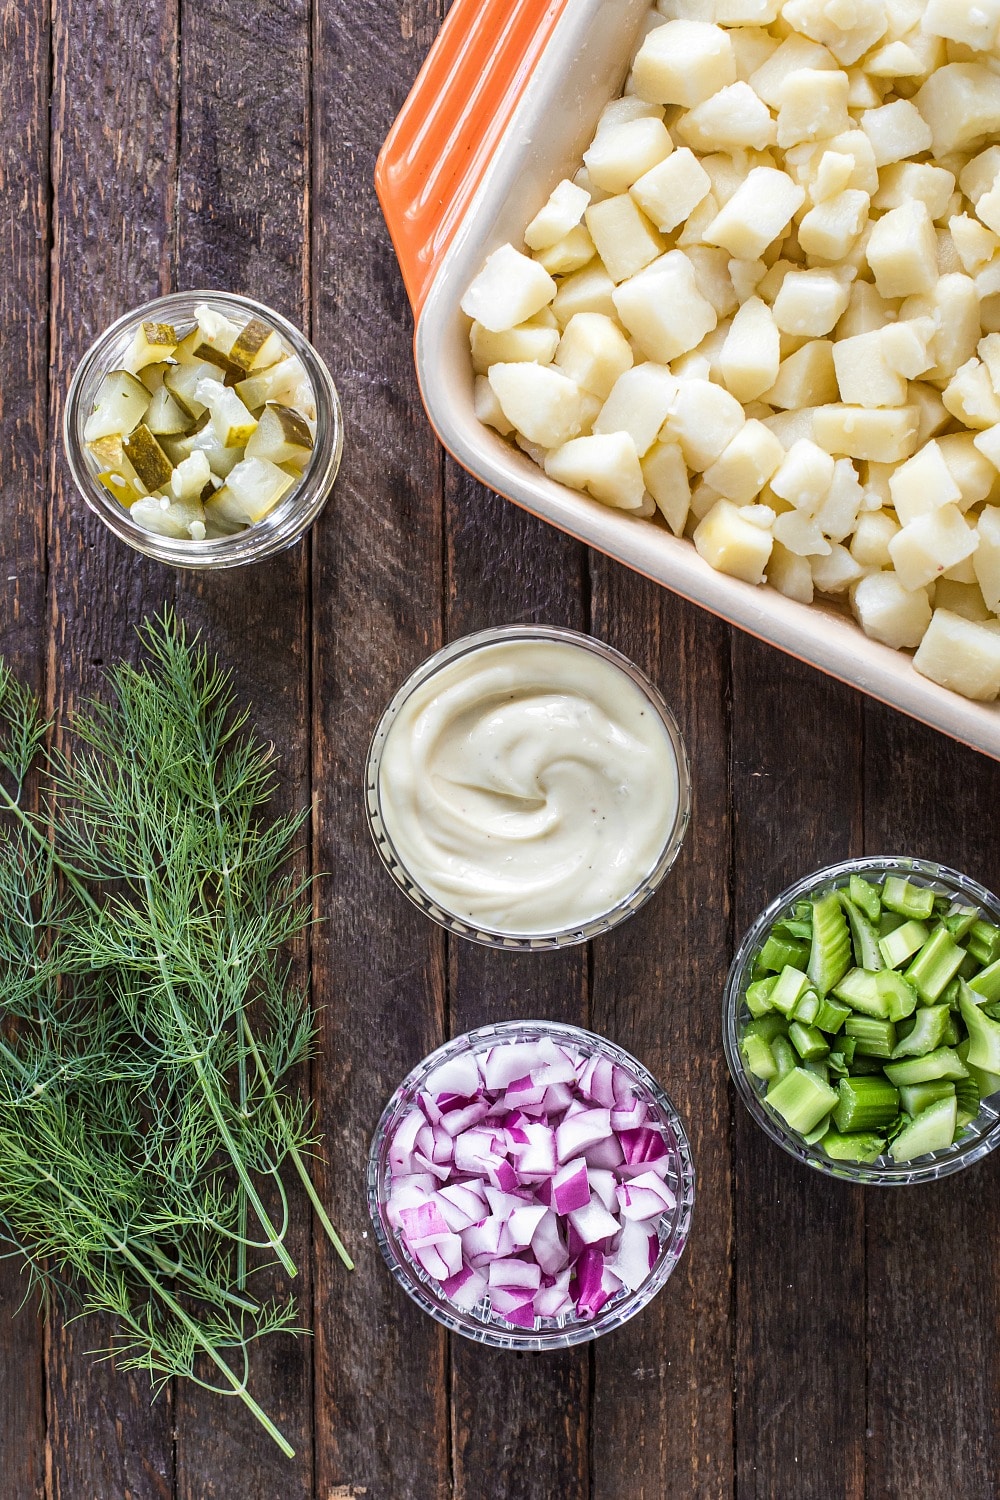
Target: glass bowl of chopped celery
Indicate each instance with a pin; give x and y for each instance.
(861, 1020)
(204, 429)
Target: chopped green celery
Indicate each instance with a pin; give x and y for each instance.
(903, 943)
(801, 1099)
(872, 1037)
(897, 992)
(810, 1137)
(915, 1097)
(928, 1031)
(960, 920)
(784, 1055)
(935, 965)
(993, 1011)
(944, 1062)
(984, 942)
(863, 1065)
(932, 1130)
(909, 900)
(758, 1058)
(984, 1034)
(778, 952)
(818, 1067)
(866, 1146)
(864, 938)
(807, 1008)
(987, 982)
(794, 927)
(950, 993)
(888, 922)
(865, 1104)
(830, 953)
(846, 1046)
(836, 1066)
(859, 989)
(967, 1094)
(865, 896)
(791, 986)
(808, 1042)
(969, 968)
(987, 1082)
(768, 1027)
(831, 1015)
(953, 1033)
(758, 995)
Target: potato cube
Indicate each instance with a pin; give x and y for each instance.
(872, 535)
(812, 107)
(986, 558)
(887, 435)
(980, 173)
(626, 241)
(922, 484)
(790, 574)
(811, 303)
(962, 655)
(932, 415)
(836, 573)
(746, 12)
(890, 613)
(663, 309)
(757, 214)
(621, 153)
(562, 212)
(539, 401)
(796, 53)
(574, 251)
(863, 376)
(974, 243)
(830, 228)
(731, 544)
(988, 350)
(751, 48)
(683, 62)
(801, 534)
(529, 341)
(711, 274)
(970, 469)
(671, 191)
(510, 289)
(954, 306)
(730, 120)
(930, 544)
(751, 353)
(804, 477)
(488, 408)
(970, 396)
(894, 60)
(607, 466)
(902, 251)
(961, 104)
(666, 477)
(589, 290)
(896, 131)
(837, 515)
(638, 404)
(965, 599)
(704, 420)
(905, 347)
(988, 443)
(806, 378)
(746, 464)
(904, 182)
(746, 276)
(593, 352)
(848, 27)
(834, 174)
(974, 22)
(693, 232)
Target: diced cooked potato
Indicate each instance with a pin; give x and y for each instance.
(588, 290)
(834, 175)
(541, 402)
(906, 347)
(806, 378)
(751, 354)
(954, 306)
(974, 22)
(804, 476)
(529, 341)
(730, 120)
(902, 251)
(732, 544)
(623, 152)
(812, 106)
(758, 212)
(986, 558)
(930, 544)
(801, 534)
(593, 352)
(574, 251)
(965, 599)
(683, 62)
(626, 240)
(848, 29)
(790, 574)
(639, 404)
(510, 289)
(837, 514)
(872, 535)
(605, 464)
(887, 435)
(703, 420)
(912, 181)
(961, 654)
(488, 408)
(562, 212)
(980, 173)
(922, 484)
(796, 53)
(712, 276)
(663, 309)
(896, 131)
(961, 104)
(974, 474)
(669, 192)
(890, 613)
(863, 376)
(746, 463)
(666, 477)
(830, 228)
(835, 573)
(970, 396)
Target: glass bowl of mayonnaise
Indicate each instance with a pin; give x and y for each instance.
(528, 787)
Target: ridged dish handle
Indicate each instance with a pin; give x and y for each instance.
(436, 153)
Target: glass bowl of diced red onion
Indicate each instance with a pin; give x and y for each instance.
(531, 1185)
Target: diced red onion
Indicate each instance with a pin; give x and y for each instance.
(574, 1135)
(571, 1187)
(515, 1274)
(593, 1222)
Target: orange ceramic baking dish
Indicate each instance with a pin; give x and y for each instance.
(502, 109)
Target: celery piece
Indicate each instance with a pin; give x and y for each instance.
(792, 984)
(865, 896)
(758, 995)
(807, 1008)
(859, 989)
(818, 1067)
(810, 1137)
(836, 1066)
(928, 1032)
(987, 982)
(863, 1065)
(888, 922)
(932, 1130)
(953, 1032)
(960, 920)
(902, 944)
(899, 895)
(987, 1082)
(808, 1042)
(967, 1094)
(984, 942)
(793, 927)
(969, 967)
(801, 1099)
(831, 1015)
(984, 1034)
(830, 953)
(935, 965)
(897, 992)
(950, 993)
(915, 1097)
(866, 1146)
(768, 1027)
(778, 952)
(865, 1104)
(944, 1062)
(864, 938)
(784, 1056)
(872, 1037)
(758, 1058)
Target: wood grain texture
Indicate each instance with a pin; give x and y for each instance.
(24, 252)
(378, 967)
(796, 786)
(662, 1418)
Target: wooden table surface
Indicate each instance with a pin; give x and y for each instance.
(816, 1341)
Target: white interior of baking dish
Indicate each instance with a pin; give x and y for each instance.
(582, 68)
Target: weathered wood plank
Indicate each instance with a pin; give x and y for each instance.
(796, 774)
(381, 1413)
(519, 1422)
(662, 1419)
(933, 1251)
(24, 246)
(113, 153)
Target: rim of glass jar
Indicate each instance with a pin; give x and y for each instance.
(419, 1285)
(980, 1138)
(495, 937)
(289, 519)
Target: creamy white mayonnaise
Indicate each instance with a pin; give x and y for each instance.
(528, 786)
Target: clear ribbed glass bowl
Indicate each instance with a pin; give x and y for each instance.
(481, 1325)
(289, 519)
(977, 1139)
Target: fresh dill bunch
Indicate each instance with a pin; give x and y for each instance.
(148, 1018)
